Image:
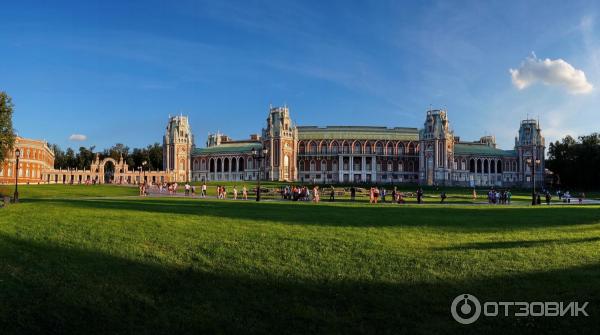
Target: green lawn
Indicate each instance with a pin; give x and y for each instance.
(74, 264)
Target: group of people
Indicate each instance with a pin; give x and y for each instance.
(222, 192)
(499, 197)
(301, 193)
(566, 196)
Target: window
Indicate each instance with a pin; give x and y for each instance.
(334, 148)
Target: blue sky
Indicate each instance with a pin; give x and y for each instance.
(114, 71)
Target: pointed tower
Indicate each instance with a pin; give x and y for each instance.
(436, 141)
(281, 139)
(178, 143)
(530, 145)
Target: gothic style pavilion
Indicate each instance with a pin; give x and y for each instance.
(432, 155)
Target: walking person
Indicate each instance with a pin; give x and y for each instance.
(352, 193)
(332, 194)
(316, 197)
(419, 195)
(442, 197)
(244, 193)
(235, 192)
(203, 194)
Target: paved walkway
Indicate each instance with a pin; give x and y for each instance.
(427, 201)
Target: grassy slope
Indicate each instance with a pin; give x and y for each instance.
(159, 265)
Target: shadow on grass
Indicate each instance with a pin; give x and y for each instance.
(54, 289)
(456, 218)
(519, 244)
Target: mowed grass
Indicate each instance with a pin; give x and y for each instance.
(172, 265)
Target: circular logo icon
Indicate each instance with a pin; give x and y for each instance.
(465, 309)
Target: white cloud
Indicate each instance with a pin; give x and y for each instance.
(77, 138)
(550, 72)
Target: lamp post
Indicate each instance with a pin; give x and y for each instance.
(533, 164)
(140, 175)
(258, 156)
(16, 195)
(144, 163)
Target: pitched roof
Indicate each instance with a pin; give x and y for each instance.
(243, 147)
(480, 149)
(357, 133)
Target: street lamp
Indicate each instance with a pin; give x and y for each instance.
(258, 156)
(533, 164)
(16, 195)
(144, 163)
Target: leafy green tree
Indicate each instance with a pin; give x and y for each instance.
(7, 134)
(576, 162)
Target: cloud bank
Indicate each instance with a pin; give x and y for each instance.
(555, 72)
(77, 138)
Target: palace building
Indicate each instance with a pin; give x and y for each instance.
(36, 158)
(283, 151)
(432, 155)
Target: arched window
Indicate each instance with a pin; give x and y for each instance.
(219, 166)
(241, 164)
(226, 165)
(301, 167)
(492, 166)
(233, 164)
(250, 164)
(389, 150)
(400, 167)
(334, 148)
(357, 148)
(499, 167)
(312, 166)
(478, 166)
(411, 148)
(324, 148)
(323, 165)
(368, 148)
(389, 166)
(379, 149)
(301, 148)
(313, 148)
(485, 166)
(400, 149)
(346, 148)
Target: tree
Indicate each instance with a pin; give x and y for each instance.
(576, 161)
(7, 133)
